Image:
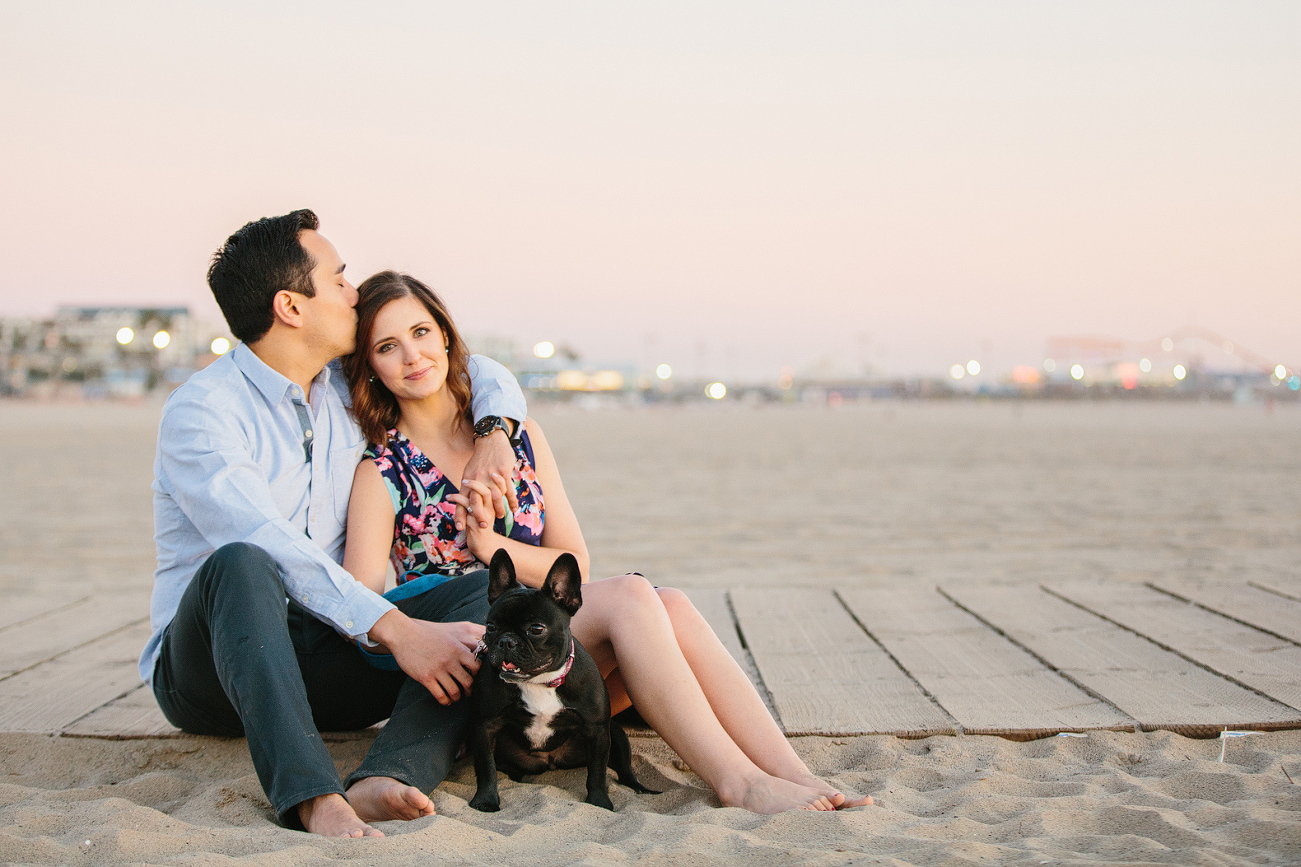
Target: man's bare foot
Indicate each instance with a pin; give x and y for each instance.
(380, 799)
(834, 795)
(333, 816)
(768, 795)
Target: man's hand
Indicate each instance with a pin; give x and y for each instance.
(493, 465)
(439, 655)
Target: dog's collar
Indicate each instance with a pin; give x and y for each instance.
(564, 672)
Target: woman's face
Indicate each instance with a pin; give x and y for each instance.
(407, 350)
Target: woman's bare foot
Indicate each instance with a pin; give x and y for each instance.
(767, 795)
(333, 816)
(380, 799)
(834, 795)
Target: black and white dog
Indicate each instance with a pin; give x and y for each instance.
(538, 699)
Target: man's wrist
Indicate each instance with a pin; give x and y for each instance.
(387, 627)
(490, 424)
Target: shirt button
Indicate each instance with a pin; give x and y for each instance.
(304, 597)
(348, 625)
(307, 434)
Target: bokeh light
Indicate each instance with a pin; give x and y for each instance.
(1050, 365)
(1145, 365)
(161, 339)
(1024, 374)
(220, 346)
(545, 349)
(1280, 372)
(126, 335)
(957, 371)
(1180, 371)
(1167, 344)
(663, 371)
(1077, 371)
(973, 367)
(1294, 382)
(716, 390)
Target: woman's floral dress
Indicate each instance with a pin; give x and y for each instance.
(426, 543)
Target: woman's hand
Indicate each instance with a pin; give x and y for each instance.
(478, 500)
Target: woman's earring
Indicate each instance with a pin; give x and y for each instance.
(372, 377)
(447, 349)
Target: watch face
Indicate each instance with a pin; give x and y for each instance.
(487, 425)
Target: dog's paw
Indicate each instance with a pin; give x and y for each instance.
(600, 799)
(485, 804)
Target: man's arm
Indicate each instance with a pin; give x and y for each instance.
(209, 471)
(495, 392)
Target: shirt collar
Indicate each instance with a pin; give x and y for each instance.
(273, 384)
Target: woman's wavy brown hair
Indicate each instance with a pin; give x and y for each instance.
(373, 405)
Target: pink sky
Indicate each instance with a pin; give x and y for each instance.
(724, 186)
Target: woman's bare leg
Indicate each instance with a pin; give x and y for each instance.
(619, 700)
(623, 620)
(734, 700)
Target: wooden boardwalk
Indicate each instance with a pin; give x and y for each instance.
(1022, 661)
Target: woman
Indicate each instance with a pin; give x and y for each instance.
(411, 397)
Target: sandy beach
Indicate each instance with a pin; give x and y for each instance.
(874, 496)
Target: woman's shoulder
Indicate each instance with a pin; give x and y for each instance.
(389, 450)
(533, 432)
(532, 429)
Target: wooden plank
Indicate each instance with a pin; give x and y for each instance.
(1253, 658)
(19, 609)
(1286, 589)
(1262, 609)
(986, 682)
(51, 696)
(713, 606)
(1156, 687)
(826, 676)
(54, 632)
(134, 715)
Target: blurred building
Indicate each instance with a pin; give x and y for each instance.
(102, 351)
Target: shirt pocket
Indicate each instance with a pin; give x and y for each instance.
(343, 465)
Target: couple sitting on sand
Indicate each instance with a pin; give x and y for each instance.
(267, 626)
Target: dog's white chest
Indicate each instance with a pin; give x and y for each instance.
(544, 704)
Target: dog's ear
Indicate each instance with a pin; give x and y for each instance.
(501, 575)
(565, 583)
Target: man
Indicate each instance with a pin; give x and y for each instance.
(256, 624)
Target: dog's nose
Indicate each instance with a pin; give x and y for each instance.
(508, 642)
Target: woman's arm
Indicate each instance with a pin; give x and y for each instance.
(370, 527)
(560, 531)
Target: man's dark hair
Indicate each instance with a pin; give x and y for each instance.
(262, 258)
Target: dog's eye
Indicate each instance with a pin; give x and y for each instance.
(537, 629)
(490, 627)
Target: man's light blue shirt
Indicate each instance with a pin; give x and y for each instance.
(244, 457)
